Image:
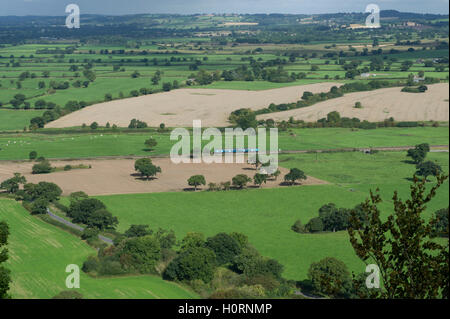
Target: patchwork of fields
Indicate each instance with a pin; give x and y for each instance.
(66, 87)
(267, 215)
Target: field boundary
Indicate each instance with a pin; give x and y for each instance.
(337, 150)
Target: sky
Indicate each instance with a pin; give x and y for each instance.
(119, 7)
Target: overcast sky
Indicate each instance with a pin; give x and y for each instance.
(118, 7)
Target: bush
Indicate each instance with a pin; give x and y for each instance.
(191, 264)
(224, 246)
(241, 180)
(90, 233)
(110, 267)
(67, 167)
(43, 167)
(92, 264)
(142, 254)
(32, 155)
(315, 225)
(298, 227)
(330, 277)
(39, 206)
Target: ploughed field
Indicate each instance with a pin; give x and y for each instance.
(118, 176)
(179, 108)
(378, 105)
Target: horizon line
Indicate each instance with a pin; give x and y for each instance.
(220, 13)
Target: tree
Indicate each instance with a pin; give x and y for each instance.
(90, 75)
(192, 240)
(258, 179)
(12, 185)
(167, 86)
(419, 152)
(298, 227)
(43, 167)
(333, 117)
(276, 174)
(411, 263)
(314, 225)
(5, 278)
(82, 209)
(77, 196)
(224, 246)
(102, 219)
(134, 123)
(33, 155)
(440, 222)
(250, 263)
(94, 126)
(146, 168)
(90, 233)
(333, 218)
(294, 175)
(330, 277)
(137, 231)
(142, 253)
(241, 180)
(151, 143)
(191, 264)
(196, 181)
(50, 192)
(243, 118)
(428, 168)
(39, 206)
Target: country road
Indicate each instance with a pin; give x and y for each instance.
(77, 227)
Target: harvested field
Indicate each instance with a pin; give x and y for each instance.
(378, 105)
(107, 177)
(179, 108)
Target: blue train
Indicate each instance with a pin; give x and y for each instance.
(238, 150)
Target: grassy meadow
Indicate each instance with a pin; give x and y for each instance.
(266, 215)
(18, 146)
(48, 250)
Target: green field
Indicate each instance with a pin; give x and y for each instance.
(266, 215)
(100, 64)
(18, 146)
(39, 254)
(16, 119)
(174, 63)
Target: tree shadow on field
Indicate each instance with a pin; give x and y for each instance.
(290, 184)
(139, 177)
(191, 189)
(249, 169)
(409, 162)
(147, 149)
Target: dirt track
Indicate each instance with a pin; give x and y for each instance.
(378, 105)
(118, 176)
(179, 108)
